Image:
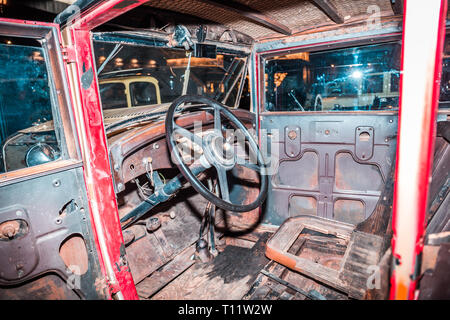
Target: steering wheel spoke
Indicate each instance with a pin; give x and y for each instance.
(188, 134)
(217, 120)
(223, 183)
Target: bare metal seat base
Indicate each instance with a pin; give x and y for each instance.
(363, 251)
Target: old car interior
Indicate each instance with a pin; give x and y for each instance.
(203, 149)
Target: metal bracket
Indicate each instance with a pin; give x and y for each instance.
(68, 54)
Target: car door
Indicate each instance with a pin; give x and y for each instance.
(47, 244)
(330, 161)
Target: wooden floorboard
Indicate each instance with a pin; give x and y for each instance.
(228, 277)
(157, 280)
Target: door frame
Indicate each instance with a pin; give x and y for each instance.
(76, 29)
(422, 45)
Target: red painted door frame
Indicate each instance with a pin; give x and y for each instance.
(421, 63)
(77, 39)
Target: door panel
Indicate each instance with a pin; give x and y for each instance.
(47, 244)
(54, 211)
(340, 169)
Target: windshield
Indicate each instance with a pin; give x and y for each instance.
(139, 75)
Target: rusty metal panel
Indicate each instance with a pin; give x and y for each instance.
(54, 210)
(328, 168)
(305, 205)
(306, 170)
(351, 175)
(350, 211)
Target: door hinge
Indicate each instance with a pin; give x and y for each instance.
(113, 287)
(68, 54)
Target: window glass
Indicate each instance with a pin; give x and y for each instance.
(27, 135)
(113, 95)
(358, 78)
(143, 93)
(214, 77)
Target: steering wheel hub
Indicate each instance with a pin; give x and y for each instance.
(218, 151)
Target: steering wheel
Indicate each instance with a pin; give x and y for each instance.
(217, 152)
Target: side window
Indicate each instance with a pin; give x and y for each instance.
(113, 95)
(350, 79)
(27, 134)
(143, 93)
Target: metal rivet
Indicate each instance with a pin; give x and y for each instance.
(58, 220)
(292, 134)
(56, 183)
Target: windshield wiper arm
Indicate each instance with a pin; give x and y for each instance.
(228, 74)
(113, 53)
(186, 75)
(291, 94)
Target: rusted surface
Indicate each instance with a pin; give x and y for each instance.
(245, 190)
(302, 205)
(349, 211)
(74, 254)
(145, 256)
(228, 276)
(49, 287)
(440, 181)
(150, 251)
(36, 171)
(265, 288)
(9, 229)
(128, 151)
(381, 217)
(362, 251)
(435, 285)
(160, 278)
